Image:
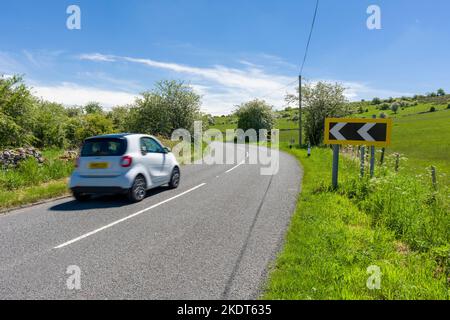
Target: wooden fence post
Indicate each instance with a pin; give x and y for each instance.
(433, 177)
(397, 162)
(383, 150)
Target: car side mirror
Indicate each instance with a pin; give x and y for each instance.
(167, 150)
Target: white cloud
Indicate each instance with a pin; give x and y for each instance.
(97, 57)
(252, 79)
(73, 94)
(357, 91)
(222, 88)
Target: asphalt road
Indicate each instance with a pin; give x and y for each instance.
(213, 238)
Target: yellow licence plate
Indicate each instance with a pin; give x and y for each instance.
(98, 165)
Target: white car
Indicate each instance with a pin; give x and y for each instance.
(123, 163)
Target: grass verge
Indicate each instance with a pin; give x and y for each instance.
(12, 199)
(395, 222)
(32, 182)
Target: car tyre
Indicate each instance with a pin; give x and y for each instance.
(81, 197)
(138, 191)
(175, 178)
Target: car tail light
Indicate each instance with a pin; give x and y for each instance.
(126, 162)
(77, 162)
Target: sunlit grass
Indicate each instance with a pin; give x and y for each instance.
(396, 222)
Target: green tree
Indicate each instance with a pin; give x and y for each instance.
(17, 112)
(395, 106)
(93, 108)
(148, 115)
(360, 110)
(208, 120)
(93, 125)
(376, 101)
(74, 111)
(11, 134)
(171, 105)
(120, 118)
(49, 125)
(72, 129)
(321, 100)
(256, 114)
(441, 92)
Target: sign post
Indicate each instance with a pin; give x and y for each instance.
(363, 161)
(372, 161)
(335, 166)
(360, 132)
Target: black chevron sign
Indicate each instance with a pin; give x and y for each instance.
(370, 132)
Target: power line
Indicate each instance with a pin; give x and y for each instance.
(300, 120)
(310, 36)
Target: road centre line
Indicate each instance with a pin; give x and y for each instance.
(126, 218)
(235, 167)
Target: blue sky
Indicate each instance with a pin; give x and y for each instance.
(229, 51)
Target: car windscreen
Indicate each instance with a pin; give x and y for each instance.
(104, 147)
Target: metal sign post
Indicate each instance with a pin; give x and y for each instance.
(361, 132)
(372, 161)
(335, 166)
(363, 161)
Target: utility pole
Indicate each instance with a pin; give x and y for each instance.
(300, 110)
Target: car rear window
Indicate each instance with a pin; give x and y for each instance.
(105, 147)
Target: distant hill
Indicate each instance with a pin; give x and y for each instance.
(421, 128)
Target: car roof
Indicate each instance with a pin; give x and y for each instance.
(117, 136)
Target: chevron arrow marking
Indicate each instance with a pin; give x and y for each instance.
(335, 131)
(364, 131)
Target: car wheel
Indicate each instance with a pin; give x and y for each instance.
(175, 178)
(81, 196)
(138, 191)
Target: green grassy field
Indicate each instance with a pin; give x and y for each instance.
(421, 136)
(395, 222)
(424, 139)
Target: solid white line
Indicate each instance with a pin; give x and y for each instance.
(235, 167)
(126, 218)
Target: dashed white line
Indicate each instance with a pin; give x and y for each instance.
(235, 167)
(126, 218)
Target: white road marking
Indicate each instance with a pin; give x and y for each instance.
(126, 218)
(335, 131)
(235, 167)
(363, 132)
